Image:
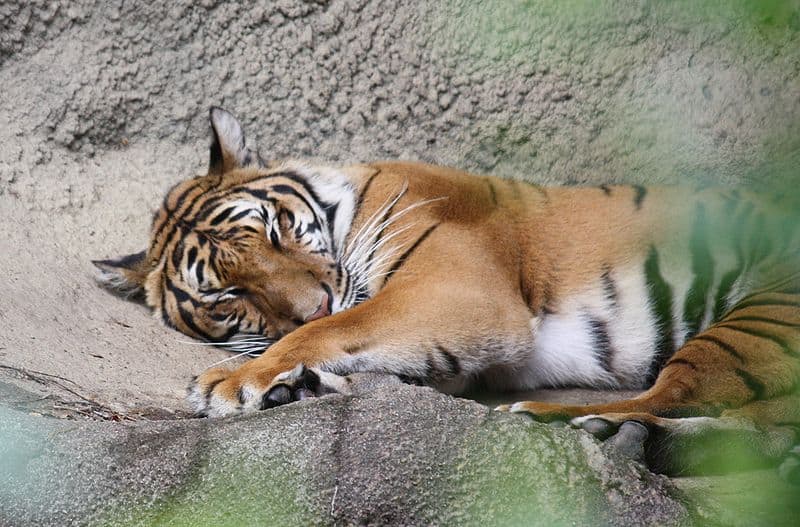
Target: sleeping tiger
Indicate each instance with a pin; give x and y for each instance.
(449, 280)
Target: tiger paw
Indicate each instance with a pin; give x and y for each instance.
(301, 383)
(220, 392)
(622, 433)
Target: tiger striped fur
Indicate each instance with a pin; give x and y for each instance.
(450, 279)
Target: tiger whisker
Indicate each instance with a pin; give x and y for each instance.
(369, 224)
(230, 358)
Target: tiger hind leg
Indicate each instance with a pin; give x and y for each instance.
(694, 445)
(735, 383)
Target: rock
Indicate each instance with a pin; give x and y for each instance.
(393, 455)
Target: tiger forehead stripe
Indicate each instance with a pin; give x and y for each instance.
(185, 219)
(199, 210)
(172, 214)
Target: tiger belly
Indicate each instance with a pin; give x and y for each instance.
(603, 337)
(618, 331)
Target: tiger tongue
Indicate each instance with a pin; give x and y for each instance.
(322, 311)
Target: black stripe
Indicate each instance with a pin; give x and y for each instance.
(241, 215)
(729, 279)
(724, 289)
(330, 217)
(188, 320)
(219, 218)
(164, 314)
(179, 229)
(721, 344)
(547, 298)
(609, 287)
(191, 257)
(180, 295)
(201, 265)
(179, 221)
(210, 388)
(297, 178)
(177, 255)
(755, 302)
(638, 198)
(431, 371)
(347, 283)
(221, 317)
(524, 290)
(694, 308)
(178, 203)
(363, 194)
(766, 320)
(400, 261)
(257, 193)
(680, 361)
(601, 342)
(755, 386)
(273, 237)
(660, 294)
(760, 334)
(212, 260)
(454, 365)
(361, 296)
(291, 191)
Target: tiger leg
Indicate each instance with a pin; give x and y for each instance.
(422, 342)
(738, 378)
(735, 440)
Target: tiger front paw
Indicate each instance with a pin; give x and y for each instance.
(220, 392)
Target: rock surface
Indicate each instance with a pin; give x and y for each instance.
(396, 455)
(104, 106)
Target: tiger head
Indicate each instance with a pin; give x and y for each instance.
(248, 252)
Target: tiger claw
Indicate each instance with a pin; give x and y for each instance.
(627, 437)
(296, 385)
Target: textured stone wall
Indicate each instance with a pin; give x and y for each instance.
(552, 91)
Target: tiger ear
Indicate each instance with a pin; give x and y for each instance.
(126, 274)
(228, 150)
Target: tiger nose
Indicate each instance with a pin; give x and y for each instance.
(323, 310)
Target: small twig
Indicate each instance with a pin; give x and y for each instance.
(333, 499)
(31, 401)
(96, 407)
(30, 374)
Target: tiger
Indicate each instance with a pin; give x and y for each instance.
(453, 280)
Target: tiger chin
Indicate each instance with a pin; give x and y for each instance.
(449, 279)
